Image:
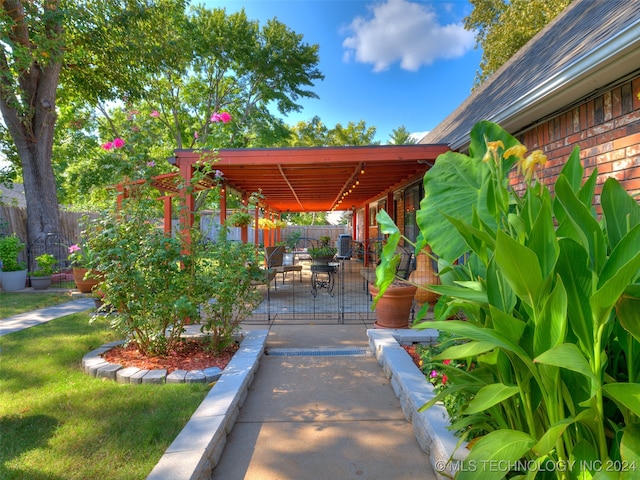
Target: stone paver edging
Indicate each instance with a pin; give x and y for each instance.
(197, 449)
(95, 365)
(409, 385)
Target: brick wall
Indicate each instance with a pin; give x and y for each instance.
(607, 130)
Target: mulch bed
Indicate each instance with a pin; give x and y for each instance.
(190, 355)
(411, 350)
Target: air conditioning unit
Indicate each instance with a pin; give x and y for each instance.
(344, 246)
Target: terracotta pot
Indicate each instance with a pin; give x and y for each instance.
(425, 274)
(394, 307)
(84, 285)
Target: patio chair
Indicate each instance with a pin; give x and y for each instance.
(280, 262)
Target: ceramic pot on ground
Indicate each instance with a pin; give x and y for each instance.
(13, 281)
(425, 274)
(84, 285)
(40, 283)
(394, 307)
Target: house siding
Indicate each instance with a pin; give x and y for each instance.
(607, 130)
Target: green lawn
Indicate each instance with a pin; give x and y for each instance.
(14, 303)
(58, 423)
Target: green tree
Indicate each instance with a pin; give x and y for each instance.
(354, 134)
(313, 133)
(401, 136)
(94, 47)
(503, 26)
(227, 64)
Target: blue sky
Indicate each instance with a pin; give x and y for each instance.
(387, 62)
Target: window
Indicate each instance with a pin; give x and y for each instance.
(412, 197)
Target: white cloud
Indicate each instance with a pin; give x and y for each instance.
(407, 32)
(417, 136)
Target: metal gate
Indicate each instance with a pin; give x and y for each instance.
(338, 293)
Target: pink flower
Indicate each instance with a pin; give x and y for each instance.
(118, 143)
(433, 374)
(196, 135)
(151, 164)
(154, 113)
(223, 117)
(74, 248)
(107, 146)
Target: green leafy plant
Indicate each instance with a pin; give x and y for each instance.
(10, 248)
(240, 218)
(549, 302)
(322, 251)
(46, 263)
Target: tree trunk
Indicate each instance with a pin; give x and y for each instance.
(27, 103)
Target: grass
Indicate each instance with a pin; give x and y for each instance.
(14, 303)
(56, 422)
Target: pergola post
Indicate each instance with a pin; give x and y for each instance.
(366, 235)
(187, 202)
(223, 205)
(256, 230)
(167, 214)
(244, 230)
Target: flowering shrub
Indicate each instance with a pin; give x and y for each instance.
(157, 283)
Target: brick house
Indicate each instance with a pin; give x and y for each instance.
(576, 83)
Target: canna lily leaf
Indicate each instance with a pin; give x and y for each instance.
(577, 280)
(630, 452)
(628, 310)
(506, 446)
(458, 183)
(506, 324)
(589, 232)
(490, 395)
(626, 394)
(543, 241)
(548, 440)
(551, 328)
(464, 350)
(620, 210)
(570, 357)
(520, 267)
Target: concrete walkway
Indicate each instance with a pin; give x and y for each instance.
(30, 319)
(320, 407)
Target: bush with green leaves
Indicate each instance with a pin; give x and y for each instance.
(157, 283)
(549, 306)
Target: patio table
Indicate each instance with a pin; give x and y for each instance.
(318, 281)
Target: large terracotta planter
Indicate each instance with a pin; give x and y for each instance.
(394, 307)
(424, 274)
(84, 285)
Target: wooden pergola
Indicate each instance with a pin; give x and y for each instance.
(304, 179)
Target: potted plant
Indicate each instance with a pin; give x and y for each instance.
(241, 218)
(393, 308)
(322, 254)
(82, 261)
(14, 272)
(41, 278)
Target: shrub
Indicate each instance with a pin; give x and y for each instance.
(157, 283)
